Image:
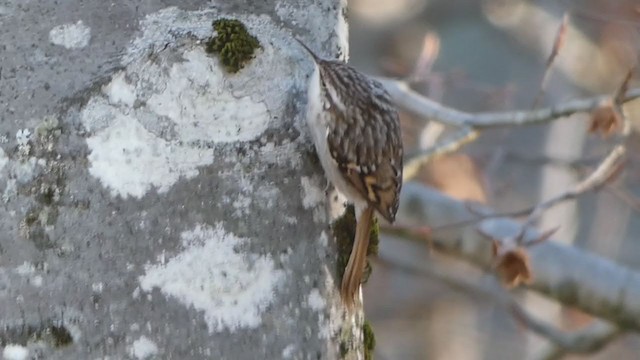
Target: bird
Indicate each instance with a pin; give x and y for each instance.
(355, 128)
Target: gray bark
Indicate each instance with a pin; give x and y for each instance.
(155, 206)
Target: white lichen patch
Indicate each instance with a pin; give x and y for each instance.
(15, 352)
(196, 100)
(10, 190)
(267, 79)
(324, 239)
(287, 352)
(23, 136)
(25, 269)
(232, 289)
(179, 103)
(119, 91)
(241, 205)
(312, 194)
(97, 287)
(24, 171)
(143, 348)
(130, 160)
(3, 159)
(71, 36)
(28, 270)
(330, 321)
(291, 220)
(315, 300)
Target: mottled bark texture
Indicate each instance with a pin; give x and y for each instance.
(155, 205)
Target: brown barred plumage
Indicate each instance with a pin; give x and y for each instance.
(356, 131)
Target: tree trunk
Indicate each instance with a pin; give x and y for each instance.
(155, 204)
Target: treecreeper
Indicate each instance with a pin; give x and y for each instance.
(356, 131)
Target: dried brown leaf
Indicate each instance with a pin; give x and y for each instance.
(605, 119)
(513, 266)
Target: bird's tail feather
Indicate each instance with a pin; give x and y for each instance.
(355, 267)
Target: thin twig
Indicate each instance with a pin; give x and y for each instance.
(478, 216)
(558, 43)
(579, 165)
(471, 124)
(625, 196)
(608, 168)
(455, 142)
(410, 100)
(570, 275)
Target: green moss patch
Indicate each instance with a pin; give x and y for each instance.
(344, 230)
(369, 340)
(233, 44)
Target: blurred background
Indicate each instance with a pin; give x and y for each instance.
(490, 55)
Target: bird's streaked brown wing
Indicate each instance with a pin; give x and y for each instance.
(368, 151)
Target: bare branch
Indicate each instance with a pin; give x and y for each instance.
(607, 169)
(603, 173)
(410, 100)
(584, 341)
(455, 142)
(572, 276)
(407, 98)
